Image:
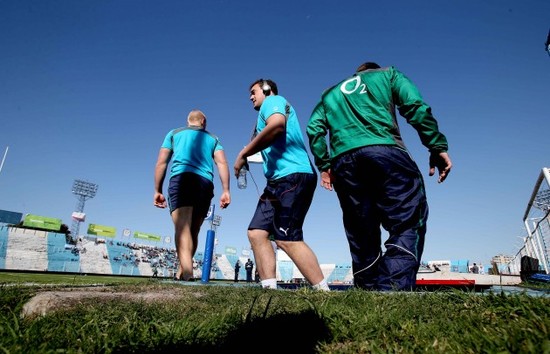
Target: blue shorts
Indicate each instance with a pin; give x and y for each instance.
(190, 189)
(283, 206)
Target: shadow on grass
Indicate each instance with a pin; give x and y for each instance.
(290, 333)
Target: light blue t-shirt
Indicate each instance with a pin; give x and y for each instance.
(288, 153)
(193, 151)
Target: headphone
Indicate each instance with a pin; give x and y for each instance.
(265, 87)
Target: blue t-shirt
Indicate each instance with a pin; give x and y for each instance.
(193, 151)
(288, 153)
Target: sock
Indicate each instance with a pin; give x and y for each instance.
(322, 286)
(269, 283)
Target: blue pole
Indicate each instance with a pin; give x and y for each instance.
(208, 253)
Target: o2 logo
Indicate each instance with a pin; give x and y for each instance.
(352, 85)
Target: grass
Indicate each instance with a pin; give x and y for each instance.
(219, 319)
(23, 278)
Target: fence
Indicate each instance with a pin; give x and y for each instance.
(537, 224)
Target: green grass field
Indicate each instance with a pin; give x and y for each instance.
(66, 279)
(143, 315)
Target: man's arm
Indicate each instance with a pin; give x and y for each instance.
(223, 171)
(275, 126)
(316, 131)
(160, 173)
(419, 115)
(417, 112)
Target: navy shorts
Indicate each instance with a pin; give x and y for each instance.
(190, 189)
(283, 206)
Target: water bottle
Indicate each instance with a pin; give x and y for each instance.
(241, 179)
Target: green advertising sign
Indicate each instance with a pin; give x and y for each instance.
(42, 222)
(101, 230)
(148, 237)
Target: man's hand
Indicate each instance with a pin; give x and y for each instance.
(225, 200)
(240, 161)
(442, 162)
(326, 179)
(159, 200)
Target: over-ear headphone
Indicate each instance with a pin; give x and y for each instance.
(265, 87)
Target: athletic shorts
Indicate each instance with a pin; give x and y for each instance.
(283, 206)
(190, 189)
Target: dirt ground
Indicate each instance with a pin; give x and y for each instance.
(47, 301)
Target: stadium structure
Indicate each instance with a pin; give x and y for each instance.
(47, 251)
(38, 243)
(533, 257)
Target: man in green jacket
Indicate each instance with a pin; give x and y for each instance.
(376, 180)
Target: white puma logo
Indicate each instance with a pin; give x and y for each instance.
(283, 230)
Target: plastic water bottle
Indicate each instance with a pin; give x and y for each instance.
(241, 179)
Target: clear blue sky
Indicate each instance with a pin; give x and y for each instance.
(89, 89)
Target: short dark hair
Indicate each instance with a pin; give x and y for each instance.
(367, 65)
(271, 84)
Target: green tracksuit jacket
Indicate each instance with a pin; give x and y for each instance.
(360, 111)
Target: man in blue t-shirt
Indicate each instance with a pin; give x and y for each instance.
(193, 151)
(291, 182)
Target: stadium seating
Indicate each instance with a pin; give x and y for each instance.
(25, 249)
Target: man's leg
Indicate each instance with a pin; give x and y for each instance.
(189, 210)
(263, 253)
(185, 241)
(406, 211)
(294, 197)
(304, 259)
(363, 233)
(358, 185)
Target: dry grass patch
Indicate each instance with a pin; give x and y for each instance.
(46, 302)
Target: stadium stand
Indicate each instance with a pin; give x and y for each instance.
(59, 260)
(285, 270)
(226, 265)
(4, 229)
(25, 249)
(340, 273)
(123, 260)
(93, 257)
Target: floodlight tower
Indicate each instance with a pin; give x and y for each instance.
(83, 190)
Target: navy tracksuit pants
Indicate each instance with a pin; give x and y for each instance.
(381, 186)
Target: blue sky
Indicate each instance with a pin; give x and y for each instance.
(90, 88)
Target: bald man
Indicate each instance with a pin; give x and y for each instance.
(193, 151)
